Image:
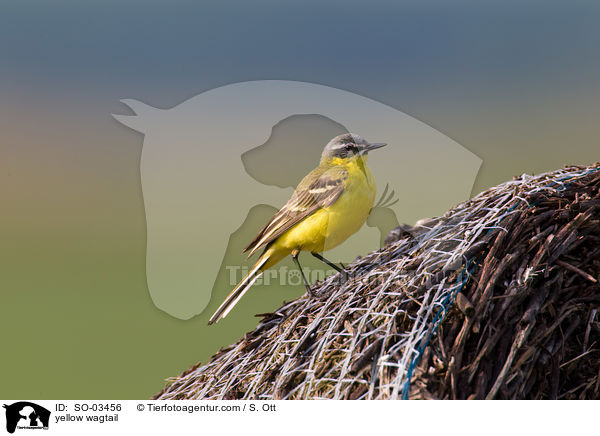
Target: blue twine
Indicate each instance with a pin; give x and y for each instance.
(439, 316)
(588, 172)
(437, 320)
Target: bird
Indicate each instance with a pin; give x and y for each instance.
(330, 204)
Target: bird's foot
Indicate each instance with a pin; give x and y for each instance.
(313, 293)
(343, 278)
(318, 295)
(343, 273)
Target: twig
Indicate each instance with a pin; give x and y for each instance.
(576, 270)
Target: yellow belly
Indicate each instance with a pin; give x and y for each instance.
(329, 227)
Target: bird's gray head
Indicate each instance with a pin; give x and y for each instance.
(348, 145)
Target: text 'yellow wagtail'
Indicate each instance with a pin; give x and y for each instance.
(330, 204)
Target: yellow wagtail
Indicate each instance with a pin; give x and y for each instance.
(330, 204)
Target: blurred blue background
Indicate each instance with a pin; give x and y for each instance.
(517, 83)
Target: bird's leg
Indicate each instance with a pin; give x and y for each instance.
(295, 254)
(333, 265)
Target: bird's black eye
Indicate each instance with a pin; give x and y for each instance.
(352, 148)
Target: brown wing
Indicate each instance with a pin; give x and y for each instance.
(319, 189)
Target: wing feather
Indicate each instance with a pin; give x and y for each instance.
(319, 189)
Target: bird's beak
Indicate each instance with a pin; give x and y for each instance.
(373, 146)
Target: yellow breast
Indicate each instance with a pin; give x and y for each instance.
(329, 227)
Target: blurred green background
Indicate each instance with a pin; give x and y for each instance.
(517, 83)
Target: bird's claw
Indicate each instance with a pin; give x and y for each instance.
(344, 277)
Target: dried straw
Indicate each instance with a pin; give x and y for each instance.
(499, 298)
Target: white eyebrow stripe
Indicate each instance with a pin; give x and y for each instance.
(340, 146)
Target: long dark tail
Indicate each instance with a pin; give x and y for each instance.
(239, 291)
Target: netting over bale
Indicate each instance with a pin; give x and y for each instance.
(496, 299)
